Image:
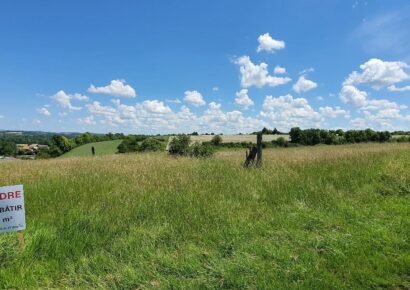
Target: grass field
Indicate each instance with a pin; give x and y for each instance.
(323, 217)
(101, 148)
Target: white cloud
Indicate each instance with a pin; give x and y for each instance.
(393, 88)
(64, 100)
(304, 85)
(110, 114)
(195, 98)
(36, 122)
(307, 70)
(279, 70)
(243, 99)
(257, 75)
(1, 116)
(286, 112)
(156, 106)
(117, 88)
(173, 101)
(80, 97)
(62, 114)
(319, 98)
(87, 120)
(215, 89)
(378, 74)
(44, 111)
(330, 112)
(267, 43)
(352, 95)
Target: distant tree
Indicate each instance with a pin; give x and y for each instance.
(281, 142)
(179, 145)
(150, 144)
(216, 140)
(62, 142)
(194, 133)
(7, 148)
(275, 131)
(295, 135)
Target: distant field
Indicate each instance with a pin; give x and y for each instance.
(237, 138)
(322, 217)
(101, 148)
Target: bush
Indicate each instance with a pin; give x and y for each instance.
(282, 142)
(150, 144)
(201, 150)
(216, 140)
(179, 145)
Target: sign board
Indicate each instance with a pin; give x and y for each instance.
(12, 211)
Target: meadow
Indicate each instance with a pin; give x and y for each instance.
(101, 148)
(322, 217)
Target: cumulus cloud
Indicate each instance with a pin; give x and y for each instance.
(257, 75)
(268, 44)
(243, 99)
(64, 100)
(80, 97)
(304, 85)
(352, 95)
(279, 70)
(393, 88)
(44, 111)
(378, 74)
(194, 98)
(287, 112)
(215, 89)
(173, 101)
(117, 88)
(330, 112)
(87, 121)
(156, 106)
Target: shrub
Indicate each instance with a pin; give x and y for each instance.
(150, 144)
(282, 142)
(201, 150)
(216, 140)
(179, 145)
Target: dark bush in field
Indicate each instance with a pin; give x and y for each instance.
(179, 145)
(281, 142)
(7, 148)
(201, 150)
(150, 144)
(216, 140)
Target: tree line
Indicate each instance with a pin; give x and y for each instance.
(334, 137)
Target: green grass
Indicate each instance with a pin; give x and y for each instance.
(101, 148)
(322, 217)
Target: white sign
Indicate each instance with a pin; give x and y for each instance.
(12, 212)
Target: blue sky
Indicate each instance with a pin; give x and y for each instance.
(207, 66)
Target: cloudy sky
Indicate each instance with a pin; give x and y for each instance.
(209, 66)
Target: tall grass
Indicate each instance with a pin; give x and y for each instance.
(318, 218)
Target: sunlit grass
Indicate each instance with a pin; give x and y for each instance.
(314, 217)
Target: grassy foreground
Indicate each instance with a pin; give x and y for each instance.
(101, 148)
(324, 217)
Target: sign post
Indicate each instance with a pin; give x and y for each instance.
(12, 211)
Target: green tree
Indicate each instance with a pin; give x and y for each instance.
(179, 145)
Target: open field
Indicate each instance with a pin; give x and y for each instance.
(237, 138)
(322, 217)
(101, 148)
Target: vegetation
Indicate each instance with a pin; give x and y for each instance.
(216, 140)
(142, 143)
(179, 145)
(101, 148)
(311, 217)
(320, 136)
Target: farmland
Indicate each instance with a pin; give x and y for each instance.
(312, 217)
(101, 148)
